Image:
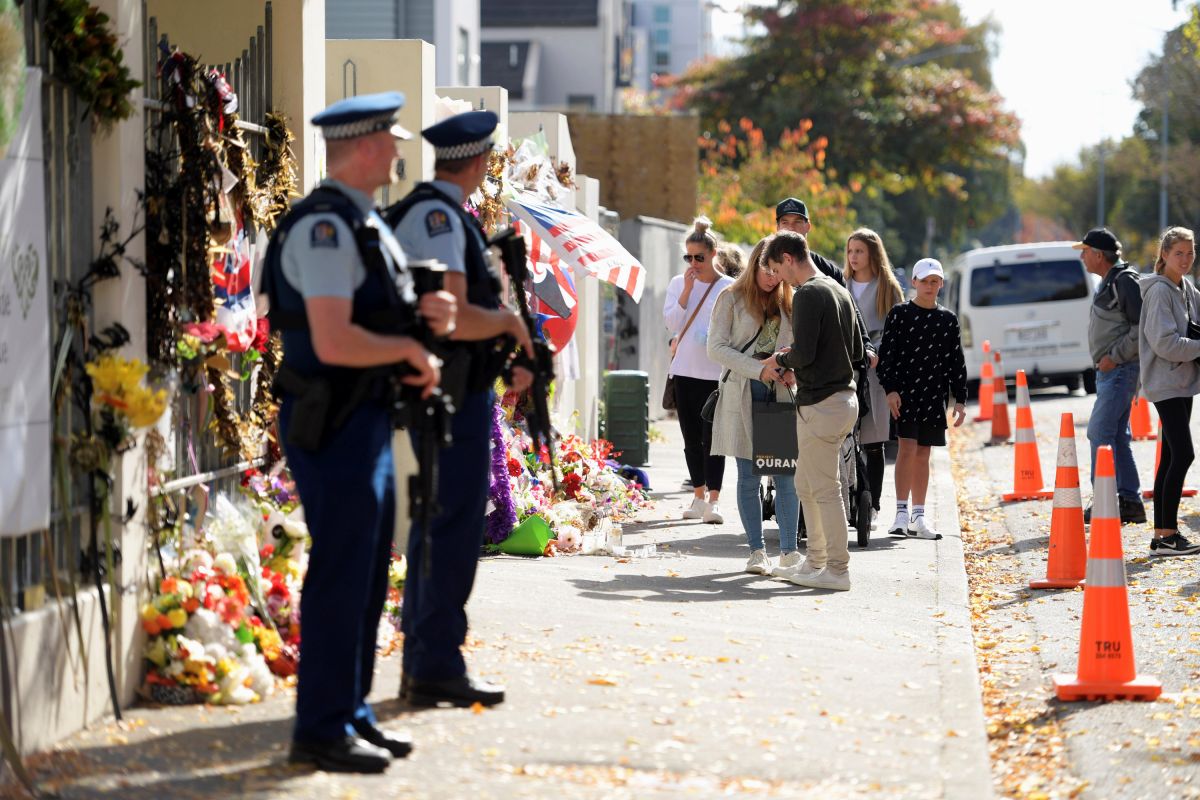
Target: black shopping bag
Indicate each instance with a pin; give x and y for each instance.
(774, 426)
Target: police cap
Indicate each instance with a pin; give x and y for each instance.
(463, 135)
(362, 115)
(790, 206)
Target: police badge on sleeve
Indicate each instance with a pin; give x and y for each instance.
(437, 223)
(324, 234)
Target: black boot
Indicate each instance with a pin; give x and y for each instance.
(348, 754)
(396, 744)
(462, 692)
(1132, 511)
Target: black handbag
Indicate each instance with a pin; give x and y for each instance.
(709, 411)
(774, 437)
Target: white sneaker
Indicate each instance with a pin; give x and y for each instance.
(900, 526)
(790, 559)
(712, 515)
(826, 579)
(759, 564)
(919, 529)
(805, 569)
(874, 519)
(696, 510)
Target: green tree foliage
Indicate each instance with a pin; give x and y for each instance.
(902, 91)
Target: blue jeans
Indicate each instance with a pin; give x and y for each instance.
(1109, 425)
(787, 505)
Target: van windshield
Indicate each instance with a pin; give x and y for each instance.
(1028, 282)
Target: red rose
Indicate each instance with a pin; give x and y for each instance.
(262, 335)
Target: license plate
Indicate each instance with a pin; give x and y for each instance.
(1039, 334)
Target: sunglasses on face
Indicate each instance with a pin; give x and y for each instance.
(689, 258)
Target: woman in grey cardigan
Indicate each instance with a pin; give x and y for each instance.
(1170, 378)
(875, 290)
(752, 318)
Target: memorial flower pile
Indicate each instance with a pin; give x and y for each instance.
(581, 483)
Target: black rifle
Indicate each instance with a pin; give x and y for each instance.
(511, 246)
(427, 417)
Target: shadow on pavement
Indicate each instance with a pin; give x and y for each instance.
(251, 756)
(718, 586)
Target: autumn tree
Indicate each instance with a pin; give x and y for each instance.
(902, 91)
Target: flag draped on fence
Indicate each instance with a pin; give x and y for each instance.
(579, 241)
(554, 298)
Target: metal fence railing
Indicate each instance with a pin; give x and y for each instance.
(28, 562)
(198, 458)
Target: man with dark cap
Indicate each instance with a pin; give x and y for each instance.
(431, 223)
(1113, 339)
(338, 283)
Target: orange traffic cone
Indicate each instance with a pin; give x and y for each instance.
(1067, 559)
(1188, 491)
(986, 388)
(1000, 429)
(1139, 420)
(1106, 668)
(1027, 466)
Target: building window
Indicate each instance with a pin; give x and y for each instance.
(581, 102)
(662, 15)
(464, 57)
(662, 58)
(662, 36)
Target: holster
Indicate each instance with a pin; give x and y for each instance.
(311, 414)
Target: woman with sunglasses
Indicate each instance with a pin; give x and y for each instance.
(751, 320)
(689, 305)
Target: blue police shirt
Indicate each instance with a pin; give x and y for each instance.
(320, 256)
(433, 229)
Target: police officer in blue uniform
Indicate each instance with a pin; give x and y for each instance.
(341, 296)
(431, 223)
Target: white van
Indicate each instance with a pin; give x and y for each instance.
(1032, 302)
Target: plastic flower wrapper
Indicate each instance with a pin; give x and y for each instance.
(234, 536)
(287, 536)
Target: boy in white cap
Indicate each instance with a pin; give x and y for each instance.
(921, 367)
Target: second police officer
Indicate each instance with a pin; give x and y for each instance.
(341, 295)
(432, 224)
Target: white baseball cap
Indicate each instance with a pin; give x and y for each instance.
(926, 267)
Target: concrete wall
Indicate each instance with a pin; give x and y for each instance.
(52, 692)
(452, 17)
(363, 66)
(490, 98)
(657, 244)
(586, 390)
(563, 70)
(216, 31)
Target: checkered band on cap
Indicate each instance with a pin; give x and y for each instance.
(463, 150)
(360, 127)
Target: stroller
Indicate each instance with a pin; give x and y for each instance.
(856, 490)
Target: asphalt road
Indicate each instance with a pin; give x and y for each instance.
(1124, 749)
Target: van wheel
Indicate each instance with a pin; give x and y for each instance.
(1071, 383)
(1089, 381)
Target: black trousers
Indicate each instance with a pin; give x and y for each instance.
(875, 464)
(704, 469)
(1177, 455)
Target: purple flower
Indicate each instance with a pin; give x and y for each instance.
(503, 518)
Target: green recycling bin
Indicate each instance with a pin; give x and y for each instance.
(627, 415)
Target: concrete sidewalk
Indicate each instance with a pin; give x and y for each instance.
(641, 679)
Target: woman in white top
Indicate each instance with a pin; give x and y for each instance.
(689, 305)
(875, 290)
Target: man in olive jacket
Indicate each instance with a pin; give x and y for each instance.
(827, 345)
